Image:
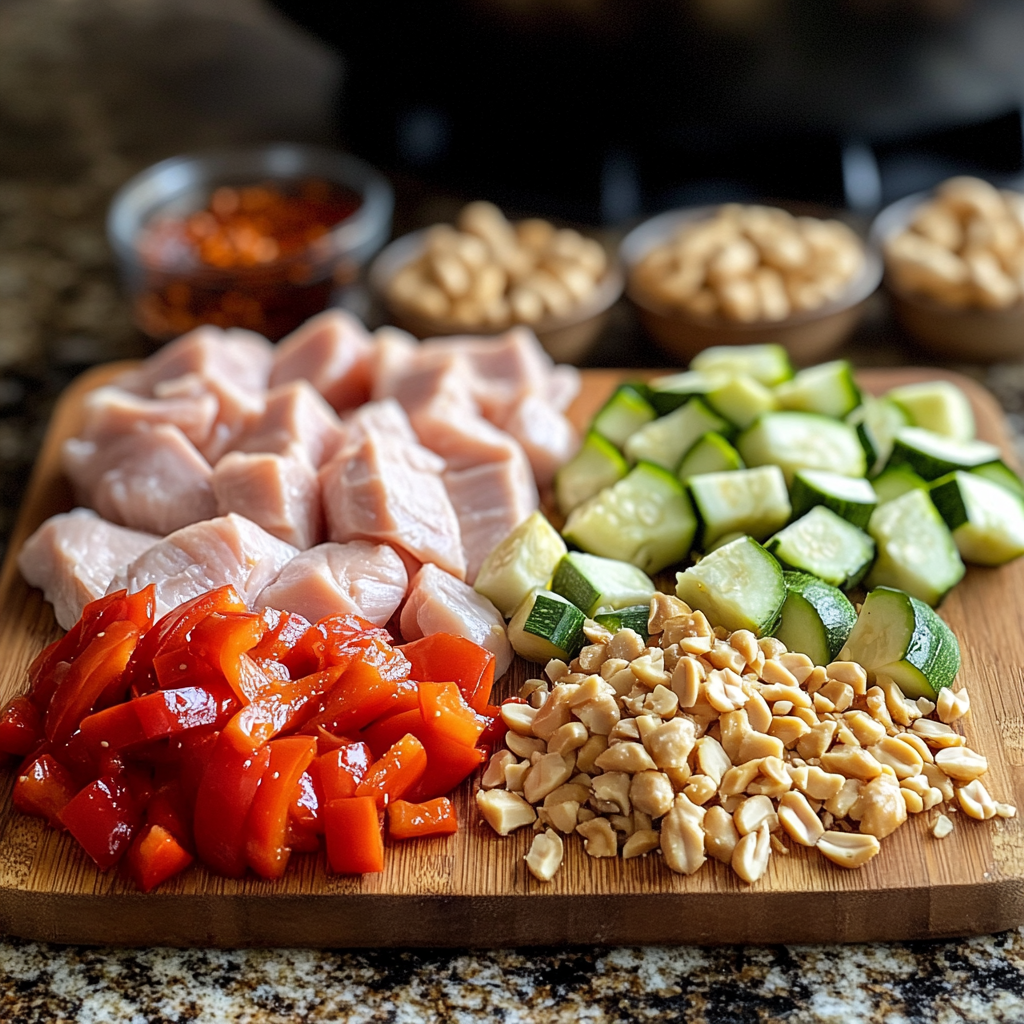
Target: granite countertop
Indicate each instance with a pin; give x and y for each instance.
(92, 90)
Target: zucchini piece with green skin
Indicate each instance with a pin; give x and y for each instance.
(824, 545)
(623, 415)
(895, 481)
(768, 364)
(750, 501)
(802, 440)
(546, 626)
(646, 519)
(816, 618)
(523, 561)
(635, 617)
(741, 400)
(937, 405)
(987, 522)
(932, 456)
(598, 464)
(828, 389)
(850, 497)
(666, 440)
(900, 638)
(668, 393)
(592, 582)
(1000, 473)
(711, 453)
(877, 421)
(916, 551)
(738, 586)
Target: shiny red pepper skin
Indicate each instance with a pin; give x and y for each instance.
(155, 856)
(21, 727)
(44, 788)
(103, 818)
(444, 657)
(355, 844)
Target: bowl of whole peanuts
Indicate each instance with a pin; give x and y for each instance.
(954, 266)
(485, 274)
(743, 274)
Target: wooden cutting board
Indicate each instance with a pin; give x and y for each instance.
(473, 889)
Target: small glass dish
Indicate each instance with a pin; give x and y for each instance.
(173, 290)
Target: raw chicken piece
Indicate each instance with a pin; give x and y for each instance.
(296, 415)
(204, 556)
(73, 556)
(110, 411)
(151, 479)
(280, 493)
(390, 490)
(454, 429)
(332, 351)
(331, 579)
(563, 386)
(421, 379)
(393, 351)
(546, 436)
(490, 501)
(439, 603)
(385, 418)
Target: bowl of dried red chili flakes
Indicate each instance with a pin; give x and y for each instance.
(259, 238)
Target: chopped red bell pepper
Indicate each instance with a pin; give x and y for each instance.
(292, 641)
(224, 641)
(267, 825)
(394, 774)
(103, 818)
(355, 844)
(169, 808)
(155, 856)
(448, 716)
(412, 821)
(447, 765)
(494, 732)
(182, 667)
(225, 795)
(190, 752)
(44, 788)
(341, 771)
(388, 730)
(340, 632)
(307, 799)
(300, 840)
(445, 657)
(21, 727)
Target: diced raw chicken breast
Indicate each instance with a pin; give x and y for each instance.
(563, 386)
(204, 556)
(332, 579)
(73, 556)
(490, 501)
(421, 380)
(390, 490)
(295, 415)
(392, 352)
(151, 479)
(333, 352)
(454, 429)
(110, 411)
(439, 603)
(280, 493)
(546, 436)
(386, 418)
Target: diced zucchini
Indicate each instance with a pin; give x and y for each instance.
(1000, 473)
(932, 456)
(741, 400)
(546, 626)
(646, 518)
(623, 415)
(900, 638)
(876, 421)
(738, 586)
(802, 440)
(768, 364)
(635, 617)
(916, 551)
(668, 393)
(828, 389)
(750, 501)
(711, 454)
(665, 441)
(987, 522)
(523, 561)
(598, 464)
(937, 405)
(592, 582)
(816, 618)
(895, 481)
(850, 497)
(826, 546)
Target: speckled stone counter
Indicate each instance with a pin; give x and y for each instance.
(92, 90)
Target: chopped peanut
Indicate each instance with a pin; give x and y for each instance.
(504, 811)
(545, 856)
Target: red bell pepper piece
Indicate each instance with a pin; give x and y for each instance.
(327, 741)
(307, 799)
(494, 732)
(300, 840)
(44, 788)
(224, 641)
(292, 641)
(182, 667)
(97, 667)
(169, 808)
(225, 795)
(386, 731)
(21, 727)
(394, 774)
(447, 765)
(355, 844)
(190, 752)
(103, 817)
(342, 632)
(448, 716)
(155, 856)
(445, 657)
(266, 847)
(341, 771)
(412, 821)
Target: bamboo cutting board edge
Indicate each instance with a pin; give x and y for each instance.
(473, 890)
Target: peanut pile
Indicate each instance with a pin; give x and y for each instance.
(751, 263)
(707, 743)
(491, 273)
(963, 248)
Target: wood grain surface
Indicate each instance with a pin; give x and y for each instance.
(473, 889)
